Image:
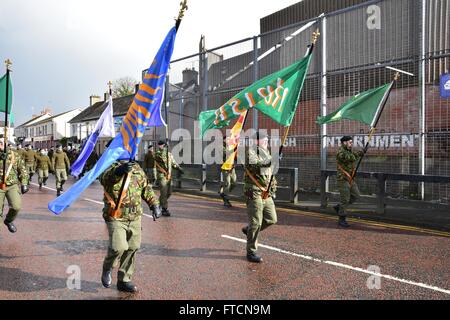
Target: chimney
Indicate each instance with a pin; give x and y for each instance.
(93, 100)
(190, 76)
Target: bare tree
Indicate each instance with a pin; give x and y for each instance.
(123, 87)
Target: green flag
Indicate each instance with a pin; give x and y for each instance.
(3, 94)
(275, 95)
(364, 107)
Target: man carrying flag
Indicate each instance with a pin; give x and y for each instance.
(367, 108)
(228, 171)
(346, 160)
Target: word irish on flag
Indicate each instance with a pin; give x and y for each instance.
(364, 107)
(144, 111)
(275, 95)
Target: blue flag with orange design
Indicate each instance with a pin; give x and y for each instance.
(144, 111)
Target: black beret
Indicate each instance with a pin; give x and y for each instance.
(346, 138)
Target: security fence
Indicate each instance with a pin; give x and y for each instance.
(354, 49)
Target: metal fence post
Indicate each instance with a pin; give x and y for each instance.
(323, 102)
(294, 187)
(381, 193)
(422, 80)
(323, 192)
(203, 178)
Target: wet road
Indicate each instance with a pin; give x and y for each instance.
(199, 253)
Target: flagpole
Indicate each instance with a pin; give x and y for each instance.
(309, 51)
(8, 64)
(374, 125)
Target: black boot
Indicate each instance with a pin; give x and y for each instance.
(342, 222)
(40, 186)
(62, 185)
(107, 278)
(165, 212)
(58, 192)
(126, 287)
(226, 200)
(245, 230)
(253, 257)
(45, 181)
(11, 227)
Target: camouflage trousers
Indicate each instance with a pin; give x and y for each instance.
(14, 197)
(228, 182)
(43, 176)
(261, 215)
(349, 195)
(165, 190)
(30, 167)
(124, 242)
(61, 177)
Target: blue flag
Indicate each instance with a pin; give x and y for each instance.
(103, 128)
(144, 111)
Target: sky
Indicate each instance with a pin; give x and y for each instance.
(63, 51)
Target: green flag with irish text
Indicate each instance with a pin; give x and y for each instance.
(275, 95)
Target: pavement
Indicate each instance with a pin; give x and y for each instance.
(199, 254)
(399, 212)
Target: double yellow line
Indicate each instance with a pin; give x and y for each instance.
(323, 216)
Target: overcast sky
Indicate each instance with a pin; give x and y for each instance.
(65, 50)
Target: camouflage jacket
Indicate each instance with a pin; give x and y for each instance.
(346, 159)
(21, 152)
(43, 162)
(60, 160)
(138, 189)
(18, 173)
(149, 160)
(29, 156)
(258, 163)
(161, 160)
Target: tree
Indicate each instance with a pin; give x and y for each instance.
(123, 87)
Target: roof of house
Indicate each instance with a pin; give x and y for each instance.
(53, 117)
(34, 119)
(120, 108)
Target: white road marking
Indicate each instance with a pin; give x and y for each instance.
(345, 266)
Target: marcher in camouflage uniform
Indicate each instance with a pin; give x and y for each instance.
(44, 166)
(16, 174)
(30, 161)
(229, 179)
(260, 206)
(124, 227)
(149, 164)
(346, 162)
(164, 163)
(61, 165)
(21, 151)
(90, 163)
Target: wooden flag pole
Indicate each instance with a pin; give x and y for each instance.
(373, 129)
(8, 64)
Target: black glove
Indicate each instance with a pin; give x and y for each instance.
(156, 212)
(3, 156)
(124, 169)
(24, 189)
(181, 170)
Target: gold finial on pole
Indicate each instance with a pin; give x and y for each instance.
(315, 36)
(8, 64)
(397, 76)
(183, 9)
